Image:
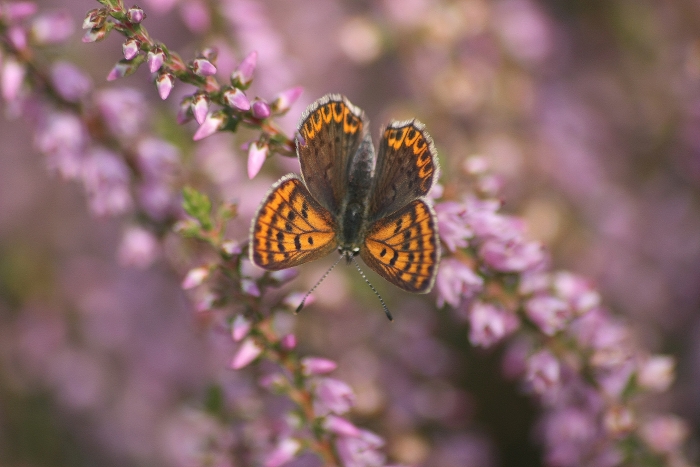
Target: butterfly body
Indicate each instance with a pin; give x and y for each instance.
(353, 198)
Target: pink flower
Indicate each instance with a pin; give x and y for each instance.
(139, 248)
(548, 313)
(656, 373)
(130, 48)
(246, 354)
(17, 11)
(165, 83)
(285, 99)
(124, 111)
(52, 28)
(489, 324)
(240, 328)
(511, 255)
(237, 99)
(212, 123)
(260, 109)
(250, 287)
(61, 137)
(203, 67)
(243, 75)
(11, 79)
(332, 396)
(452, 225)
(106, 180)
(317, 366)
(257, 153)
(576, 290)
(200, 107)
(456, 281)
(543, 371)
(286, 450)
(361, 451)
(665, 433)
(195, 277)
(135, 15)
(195, 14)
(340, 426)
(155, 59)
(288, 342)
(70, 82)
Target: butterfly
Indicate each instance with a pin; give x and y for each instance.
(354, 200)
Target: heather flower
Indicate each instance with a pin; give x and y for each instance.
(13, 73)
(211, 124)
(52, 28)
(135, 15)
(156, 158)
(195, 277)
(511, 255)
(155, 59)
(195, 15)
(69, 81)
(456, 281)
(317, 366)
(543, 371)
(340, 426)
(656, 373)
(237, 99)
(240, 328)
(332, 396)
(452, 225)
(17, 37)
(286, 450)
(156, 199)
(165, 83)
(361, 451)
(568, 434)
(94, 18)
(288, 342)
(123, 110)
(260, 109)
(106, 179)
(139, 248)
(203, 67)
(61, 137)
(257, 153)
(664, 433)
(243, 75)
(131, 47)
(548, 313)
(246, 354)
(200, 107)
(96, 34)
(576, 291)
(17, 11)
(285, 99)
(250, 287)
(619, 421)
(489, 324)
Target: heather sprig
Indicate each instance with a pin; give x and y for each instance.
(578, 360)
(215, 106)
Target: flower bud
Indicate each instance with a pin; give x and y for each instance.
(257, 153)
(165, 83)
(131, 47)
(203, 67)
(95, 18)
(243, 75)
(285, 99)
(237, 99)
(212, 123)
(135, 15)
(200, 107)
(247, 352)
(260, 109)
(155, 58)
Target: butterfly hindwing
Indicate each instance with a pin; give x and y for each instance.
(330, 132)
(290, 227)
(406, 167)
(404, 248)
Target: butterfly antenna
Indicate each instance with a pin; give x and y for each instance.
(301, 305)
(362, 273)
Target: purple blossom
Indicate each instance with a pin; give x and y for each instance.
(61, 137)
(576, 290)
(237, 99)
(240, 328)
(317, 365)
(131, 47)
(243, 75)
(257, 153)
(11, 79)
(288, 342)
(568, 434)
(452, 225)
(548, 313)
(361, 451)
(332, 396)
(17, 11)
(135, 15)
(665, 433)
(211, 124)
(70, 82)
(139, 248)
(200, 107)
(456, 281)
(94, 18)
(155, 59)
(157, 159)
(195, 14)
(203, 67)
(52, 28)
(123, 110)
(489, 324)
(340, 426)
(260, 109)
(543, 372)
(95, 34)
(511, 255)
(285, 99)
(106, 180)
(17, 37)
(248, 351)
(656, 373)
(284, 275)
(285, 451)
(165, 83)
(250, 287)
(195, 277)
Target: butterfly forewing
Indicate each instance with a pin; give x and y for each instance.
(330, 132)
(403, 247)
(290, 227)
(405, 170)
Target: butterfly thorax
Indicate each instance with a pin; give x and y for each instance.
(353, 209)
